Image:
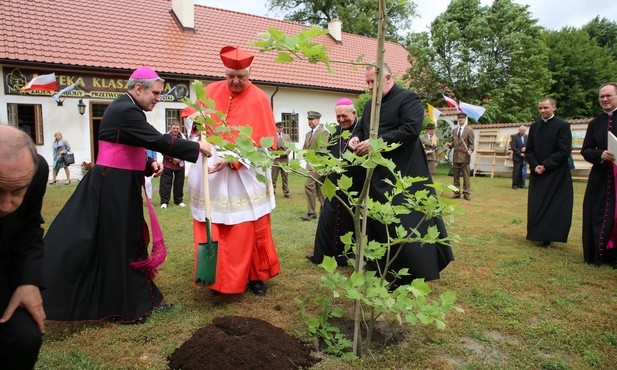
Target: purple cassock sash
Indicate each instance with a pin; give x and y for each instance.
(133, 158)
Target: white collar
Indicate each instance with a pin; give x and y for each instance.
(548, 119)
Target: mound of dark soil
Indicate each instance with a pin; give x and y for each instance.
(235, 342)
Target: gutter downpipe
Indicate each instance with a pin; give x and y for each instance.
(272, 97)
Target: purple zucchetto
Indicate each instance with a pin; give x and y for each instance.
(344, 101)
(144, 73)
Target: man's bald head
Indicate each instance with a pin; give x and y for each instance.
(12, 139)
(18, 164)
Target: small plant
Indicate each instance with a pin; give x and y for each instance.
(336, 342)
(593, 358)
(86, 166)
(555, 364)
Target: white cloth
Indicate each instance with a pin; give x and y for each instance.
(148, 185)
(235, 195)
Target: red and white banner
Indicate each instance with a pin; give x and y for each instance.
(42, 83)
(451, 103)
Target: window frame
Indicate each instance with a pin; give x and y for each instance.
(13, 119)
(291, 126)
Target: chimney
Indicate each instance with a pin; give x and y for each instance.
(184, 12)
(334, 27)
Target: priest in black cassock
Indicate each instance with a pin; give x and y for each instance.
(599, 227)
(401, 121)
(549, 206)
(96, 263)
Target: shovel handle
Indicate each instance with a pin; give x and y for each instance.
(204, 163)
(208, 211)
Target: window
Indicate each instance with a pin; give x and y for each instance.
(28, 118)
(173, 116)
(290, 125)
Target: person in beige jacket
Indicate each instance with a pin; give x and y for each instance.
(430, 142)
(462, 145)
(281, 139)
(316, 139)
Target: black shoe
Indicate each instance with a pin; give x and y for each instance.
(139, 321)
(467, 197)
(547, 244)
(514, 187)
(287, 196)
(312, 259)
(456, 195)
(258, 287)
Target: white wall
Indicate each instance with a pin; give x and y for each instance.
(289, 100)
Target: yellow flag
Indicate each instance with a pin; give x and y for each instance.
(433, 113)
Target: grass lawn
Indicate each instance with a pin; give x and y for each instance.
(526, 307)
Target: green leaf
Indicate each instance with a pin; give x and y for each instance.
(345, 182)
(329, 264)
(266, 142)
(283, 57)
(356, 279)
(337, 312)
(328, 188)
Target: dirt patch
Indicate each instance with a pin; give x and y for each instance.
(503, 338)
(487, 354)
(235, 342)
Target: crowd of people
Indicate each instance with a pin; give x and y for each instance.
(105, 269)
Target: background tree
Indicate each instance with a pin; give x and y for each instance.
(492, 56)
(604, 32)
(359, 17)
(578, 66)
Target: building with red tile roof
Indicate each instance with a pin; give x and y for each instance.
(97, 43)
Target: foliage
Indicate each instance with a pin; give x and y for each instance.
(578, 68)
(604, 31)
(336, 342)
(361, 101)
(358, 17)
(360, 206)
(492, 56)
(300, 46)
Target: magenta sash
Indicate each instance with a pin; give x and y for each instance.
(133, 158)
